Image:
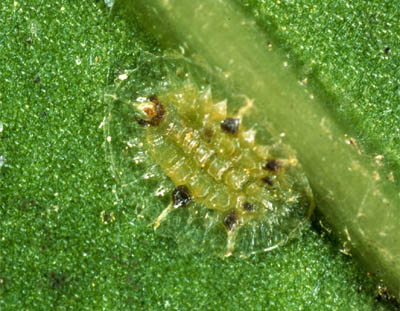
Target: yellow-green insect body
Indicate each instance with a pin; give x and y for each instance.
(187, 157)
(255, 196)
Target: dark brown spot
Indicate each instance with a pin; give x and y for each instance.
(387, 50)
(107, 217)
(36, 80)
(159, 111)
(230, 125)
(272, 165)
(153, 98)
(155, 114)
(383, 295)
(141, 122)
(248, 207)
(181, 196)
(268, 180)
(230, 220)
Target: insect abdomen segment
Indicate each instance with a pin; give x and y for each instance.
(183, 170)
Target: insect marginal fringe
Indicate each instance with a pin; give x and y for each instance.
(228, 193)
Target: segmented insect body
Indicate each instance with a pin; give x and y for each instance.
(185, 153)
(253, 196)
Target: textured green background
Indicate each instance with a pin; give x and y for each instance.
(350, 49)
(56, 58)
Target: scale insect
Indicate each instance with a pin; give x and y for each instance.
(213, 160)
(227, 192)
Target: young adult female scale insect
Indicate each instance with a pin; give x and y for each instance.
(215, 161)
(230, 193)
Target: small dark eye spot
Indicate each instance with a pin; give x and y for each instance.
(181, 196)
(248, 207)
(272, 165)
(268, 180)
(230, 220)
(230, 125)
(141, 122)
